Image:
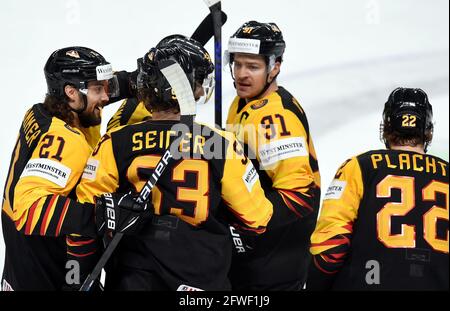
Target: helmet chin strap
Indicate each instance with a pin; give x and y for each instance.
(266, 87)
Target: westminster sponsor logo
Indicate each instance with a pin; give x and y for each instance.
(250, 177)
(282, 149)
(335, 190)
(239, 45)
(104, 72)
(53, 171)
(90, 170)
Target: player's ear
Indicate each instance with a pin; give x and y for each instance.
(275, 71)
(71, 92)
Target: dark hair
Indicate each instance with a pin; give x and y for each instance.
(58, 107)
(154, 103)
(412, 140)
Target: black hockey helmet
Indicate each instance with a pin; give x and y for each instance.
(153, 86)
(189, 54)
(408, 112)
(204, 68)
(75, 66)
(258, 38)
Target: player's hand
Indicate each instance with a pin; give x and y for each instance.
(118, 212)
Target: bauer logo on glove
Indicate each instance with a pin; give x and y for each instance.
(120, 212)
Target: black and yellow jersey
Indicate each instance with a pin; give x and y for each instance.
(47, 162)
(91, 134)
(130, 112)
(275, 133)
(384, 225)
(195, 200)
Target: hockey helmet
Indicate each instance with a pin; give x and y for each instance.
(195, 62)
(257, 38)
(77, 66)
(408, 112)
(201, 60)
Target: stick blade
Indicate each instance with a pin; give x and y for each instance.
(179, 82)
(205, 31)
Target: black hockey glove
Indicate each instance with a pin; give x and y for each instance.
(118, 212)
(127, 83)
(132, 82)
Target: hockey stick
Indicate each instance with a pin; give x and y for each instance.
(177, 79)
(215, 6)
(205, 31)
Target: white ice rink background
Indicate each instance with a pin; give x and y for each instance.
(343, 58)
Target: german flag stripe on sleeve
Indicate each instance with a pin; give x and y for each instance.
(299, 203)
(33, 215)
(78, 246)
(45, 217)
(334, 252)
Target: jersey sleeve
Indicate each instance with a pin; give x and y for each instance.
(331, 239)
(42, 206)
(100, 174)
(284, 150)
(242, 192)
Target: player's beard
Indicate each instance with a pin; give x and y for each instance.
(88, 119)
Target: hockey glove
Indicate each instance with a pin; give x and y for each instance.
(127, 83)
(118, 212)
